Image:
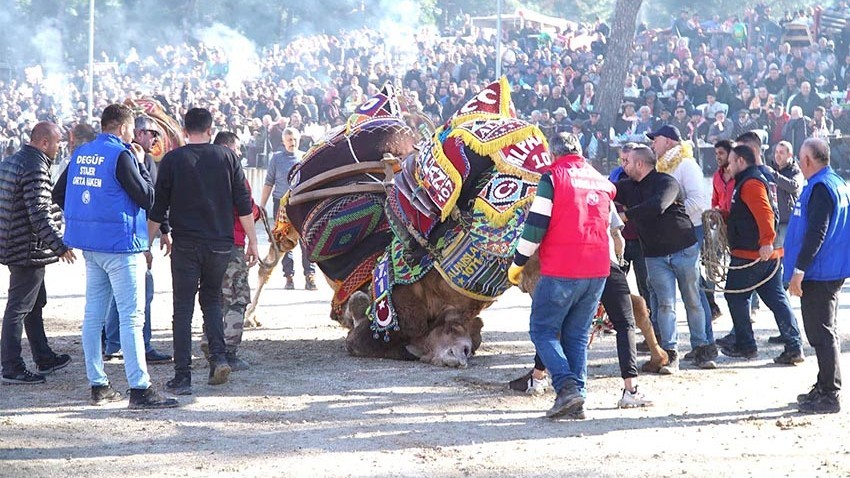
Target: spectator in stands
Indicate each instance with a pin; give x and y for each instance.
(796, 130)
(722, 128)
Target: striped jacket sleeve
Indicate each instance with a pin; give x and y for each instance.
(537, 221)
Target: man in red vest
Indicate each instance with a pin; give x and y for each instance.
(568, 222)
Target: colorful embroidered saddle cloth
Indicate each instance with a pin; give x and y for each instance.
(336, 199)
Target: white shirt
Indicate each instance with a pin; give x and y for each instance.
(689, 176)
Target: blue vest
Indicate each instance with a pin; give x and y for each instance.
(832, 262)
(99, 214)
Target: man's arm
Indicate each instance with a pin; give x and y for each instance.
(252, 254)
(692, 186)
(35, 185)
(59, 189)
(537, 222)
(817, 223)
(268, 185)
(754, 196)
(792, 185)
(133, 176)
(665, 192)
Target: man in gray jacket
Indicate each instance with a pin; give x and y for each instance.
(789, 183)
(276, 186)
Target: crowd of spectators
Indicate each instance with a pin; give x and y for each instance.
(713, 78)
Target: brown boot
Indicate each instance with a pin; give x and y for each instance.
(311, 283)
(290, 284)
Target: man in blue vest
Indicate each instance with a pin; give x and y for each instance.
(817, 260)
(106, 192)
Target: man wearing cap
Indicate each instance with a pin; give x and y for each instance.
(676, 159)
(562, 121)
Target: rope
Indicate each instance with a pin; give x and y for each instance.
(274, 252)
(715, 254)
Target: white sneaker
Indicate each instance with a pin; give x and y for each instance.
(633, 400)
(530, 385)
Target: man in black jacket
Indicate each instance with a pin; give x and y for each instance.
(655, 203)
(198, 187)
(30, 238)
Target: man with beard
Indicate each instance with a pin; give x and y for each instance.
(751, 229)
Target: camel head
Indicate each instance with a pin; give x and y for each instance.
(450, 344)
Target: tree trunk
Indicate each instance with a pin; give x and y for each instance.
(616, 65)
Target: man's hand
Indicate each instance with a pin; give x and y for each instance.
(138, 151)
(149, 259)
(514, 273)
(252, 255)
(796, 286)
(165, 243)
(765, 252)
(68, 257)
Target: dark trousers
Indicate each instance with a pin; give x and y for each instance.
(773, 295)
(819, 305)
(288, 263)
(633, 255)
(197, 269)
(27, 298)
(616, 298)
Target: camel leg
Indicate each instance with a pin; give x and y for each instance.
(264, 274)
(658, 357)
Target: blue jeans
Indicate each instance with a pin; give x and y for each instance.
(664, 273)
(704, 284)
(565, 308)
(774, 297)
(113, 334)
(119, 276)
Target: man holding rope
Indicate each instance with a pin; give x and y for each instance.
(816, 264)
(755, 263)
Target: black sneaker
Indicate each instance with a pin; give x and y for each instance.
(705, 356)
(725, 341)
(149, 398)
(776, 339)
(568, 401)
(734, 351)
(179, 386)
(119, 355)
(157, 357)
(219, 373)
(101, 394)
(577, 414)
(790, 358)
(530, 385)
(812, 394)
(22, 378)
(58, 362)
(236, 363)
(822, 403)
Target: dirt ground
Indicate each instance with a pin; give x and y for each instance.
(306, 408)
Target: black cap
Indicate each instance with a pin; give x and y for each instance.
(668, 131)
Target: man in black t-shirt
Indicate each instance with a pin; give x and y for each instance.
(198, 188)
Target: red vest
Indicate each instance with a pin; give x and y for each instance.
(576, 243)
